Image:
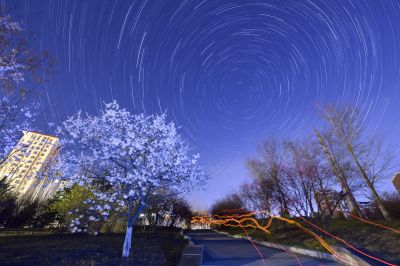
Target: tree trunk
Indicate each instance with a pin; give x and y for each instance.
(126, 250)
(308, 195)
(328, 203)
(375, 194)
(311, 204)
(342, 180)
(172, 222)
(282, 197)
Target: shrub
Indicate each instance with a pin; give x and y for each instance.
(392, 204)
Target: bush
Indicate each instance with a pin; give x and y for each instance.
(392, 204)
(24, 214)
(8, 204)
(114, 224)
(68, 203)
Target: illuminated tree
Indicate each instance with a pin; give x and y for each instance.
(127, 157)
(13, 120)
(20, 64)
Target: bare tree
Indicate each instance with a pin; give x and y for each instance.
(270, 166)
(371, 160)
(301, 180)
(180, 212)
(229, 205)
(338, 167)
(319, 174)
(258, 195)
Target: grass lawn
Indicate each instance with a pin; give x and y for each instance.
(163, 248)
(374, 240)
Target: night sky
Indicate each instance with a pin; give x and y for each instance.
(231, 73)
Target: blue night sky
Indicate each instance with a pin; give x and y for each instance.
(231, 73)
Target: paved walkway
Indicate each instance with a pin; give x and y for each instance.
(224, 250)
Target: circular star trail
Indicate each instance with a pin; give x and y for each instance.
(229, 72)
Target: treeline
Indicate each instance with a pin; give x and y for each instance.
(321, 176)
(58, 212)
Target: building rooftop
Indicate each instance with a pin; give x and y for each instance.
(40, 133)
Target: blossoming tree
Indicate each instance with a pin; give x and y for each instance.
(128, 156)
(21, 67)
(20, 63)
(13, 120)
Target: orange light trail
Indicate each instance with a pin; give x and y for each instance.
(231, 221)
(250, 222)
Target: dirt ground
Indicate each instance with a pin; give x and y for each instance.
(162, 248)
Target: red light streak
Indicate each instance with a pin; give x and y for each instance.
(247, 221)
(376, 224)
(347, 244)
(231, 221)
(254, 245)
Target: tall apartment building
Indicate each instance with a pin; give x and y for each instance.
(25, 168)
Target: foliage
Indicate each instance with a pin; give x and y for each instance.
(45, 215)
(24, 214)
(19, 62)
(115, 223)
(392, 204)
(181, 212)
(229, 205)
(20, 66)
(13, 120)
(166, 209)
(68, 204)
(16, 213)
(158, 207)
(8, 203)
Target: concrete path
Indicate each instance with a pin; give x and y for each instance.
(224, 250)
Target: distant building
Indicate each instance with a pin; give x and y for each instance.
(396, 181)
(329, 202)
(27, 164)
(367, 207)
(333, 203)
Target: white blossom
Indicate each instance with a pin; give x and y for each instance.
(133, 154)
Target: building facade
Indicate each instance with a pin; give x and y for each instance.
(26, 167)
(332, 203)
(396, 181)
